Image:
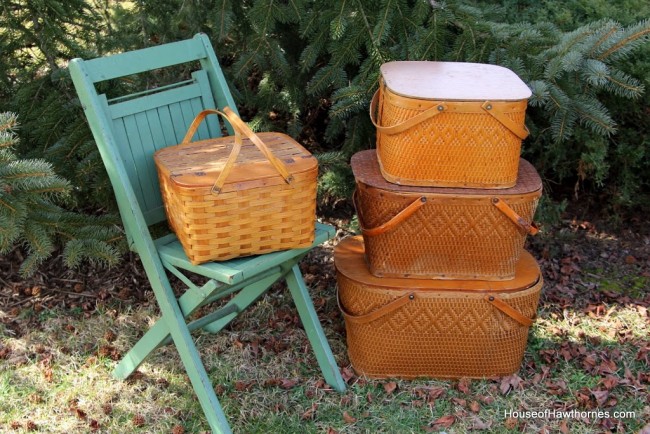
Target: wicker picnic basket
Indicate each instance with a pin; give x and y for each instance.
(409, 328)
(232, 196)
(443, 233)
(449, 124)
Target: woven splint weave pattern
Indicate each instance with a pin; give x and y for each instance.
(452, 149)
(438, 334)
(455, 234)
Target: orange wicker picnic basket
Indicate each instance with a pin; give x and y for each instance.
(238, 196)
(409, 328)
(449, 124)
(443, 233)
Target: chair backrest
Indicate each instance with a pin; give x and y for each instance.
(130, 128)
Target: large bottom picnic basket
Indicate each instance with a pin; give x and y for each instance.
(238, 196)
(443, 233)
(408, 328)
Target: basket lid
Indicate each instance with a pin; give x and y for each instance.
(349, 260)
(365, 167)
(453, 81)
(198, 164)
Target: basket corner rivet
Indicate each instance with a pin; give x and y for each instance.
(489, 106)
(441, 108)
(411, 296)
(491, 298)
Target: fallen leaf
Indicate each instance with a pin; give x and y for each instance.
(463, 385)
(285, 383)
(94, 425)
(478, 424)
(629, 259)
(390, 387)
(564, 428)
(609, 382)
(347, 374)
(434, 393)
(347, 418)
(444, 421)
(511, 423)
(459, 401)
(309, 414)
(486, 399)
(475, 406)
(601, 396)
(331, 430)
(509, 383)
(645, 429)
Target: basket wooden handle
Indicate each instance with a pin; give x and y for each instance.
(518, 130)
(438, 108)
(509, 310)
(240, 128)
(405, 299)
(390, 224)
(529, 227)
(377, 313)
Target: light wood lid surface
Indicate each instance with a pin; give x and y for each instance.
(451, 81)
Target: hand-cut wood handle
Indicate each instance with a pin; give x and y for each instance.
(240, 128)
(529, 227)
(377, 313)
(438, 107)
(509, 310)
(390, 224)
(493, 110)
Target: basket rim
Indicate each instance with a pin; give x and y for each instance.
(367, 169)
(349, 261)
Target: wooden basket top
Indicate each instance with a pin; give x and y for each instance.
(198, 164)
(451, 81)
(349, 260)
(365, 167)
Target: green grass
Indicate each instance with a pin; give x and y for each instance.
(57, 376)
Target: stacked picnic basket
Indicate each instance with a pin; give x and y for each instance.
(439, 284)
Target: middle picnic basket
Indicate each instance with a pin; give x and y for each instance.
(232, 196)
(449, 124)
(443, 233)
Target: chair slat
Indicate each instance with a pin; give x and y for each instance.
(155, 100)
(146, 59)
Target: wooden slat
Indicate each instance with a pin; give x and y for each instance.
(155, 100)
(147, 59)
(146, 166)
(124, 150)
(178, 123)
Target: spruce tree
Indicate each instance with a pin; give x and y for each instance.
(31, 215)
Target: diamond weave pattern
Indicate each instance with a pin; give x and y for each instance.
(454, 238)
(450, 149)
(439, 334)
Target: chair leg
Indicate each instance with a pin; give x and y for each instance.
(314, 329)
(247, 296)
(173, 317)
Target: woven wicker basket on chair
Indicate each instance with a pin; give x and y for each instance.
(411, 328)
(449, 124)
(234, 196)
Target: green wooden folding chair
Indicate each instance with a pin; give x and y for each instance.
(128, 130)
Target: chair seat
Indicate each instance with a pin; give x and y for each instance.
(238, 269)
